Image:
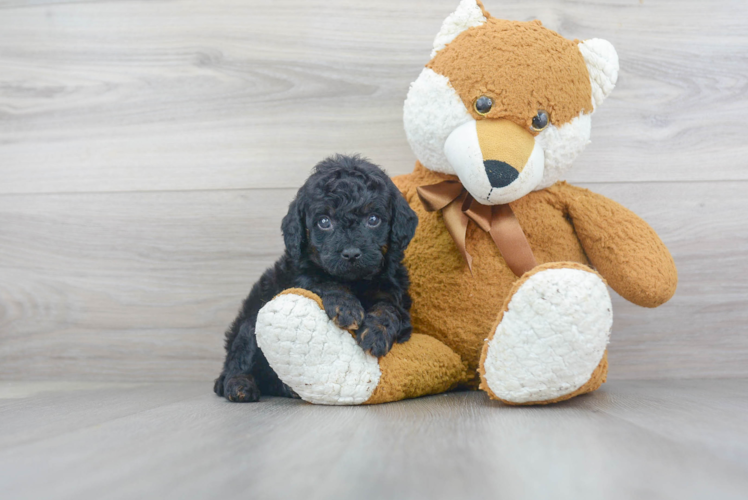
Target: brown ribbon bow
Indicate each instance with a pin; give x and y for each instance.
(457, 207)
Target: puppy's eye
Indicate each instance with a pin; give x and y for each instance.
(324, 223)
(373, 221)
(540, 121)
(483, 105)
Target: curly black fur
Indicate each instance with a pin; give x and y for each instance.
(354, 265)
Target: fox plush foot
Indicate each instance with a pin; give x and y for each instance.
(550, 339)
(323, 364)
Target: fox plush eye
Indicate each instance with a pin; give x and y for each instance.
(324, 223)
(483, 105)
(373, 221)
(540, 121)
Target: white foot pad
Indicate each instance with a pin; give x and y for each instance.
(551, 338)
(311, 355)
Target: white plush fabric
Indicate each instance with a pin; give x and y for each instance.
(463, 152)
(314, 357)
(561, 146)
(467, 15)
(602, 64)
(551, 338)
(431, 112)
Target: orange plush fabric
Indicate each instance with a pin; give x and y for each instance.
(628, 253)
(419, 367)
(523, 68)
(562, 223)
(441, 283)
(499, 48)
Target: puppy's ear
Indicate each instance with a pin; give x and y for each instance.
(294, 230)
(403, 224)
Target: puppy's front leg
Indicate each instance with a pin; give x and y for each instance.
(341, 306)
(383, 326)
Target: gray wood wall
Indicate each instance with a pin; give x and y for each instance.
(148, 151)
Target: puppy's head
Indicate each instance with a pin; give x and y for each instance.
(348, 219)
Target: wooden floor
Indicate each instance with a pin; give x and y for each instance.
(633, 439)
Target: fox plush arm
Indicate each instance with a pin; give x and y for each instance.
(623, 248)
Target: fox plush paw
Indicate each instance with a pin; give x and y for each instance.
(550, 338)
(316, 358)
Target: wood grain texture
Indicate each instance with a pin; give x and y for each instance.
(148, 151)
(164, 95)
(140, 286)
(133, 285)
(653, 439)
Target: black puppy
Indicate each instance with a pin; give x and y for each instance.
(345, 234)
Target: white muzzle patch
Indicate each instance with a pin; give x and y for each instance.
(464, 154)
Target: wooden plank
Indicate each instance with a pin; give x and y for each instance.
(460, 445)
(140, 286)
(35, 411)
(685, 411)
(128, 96)
(129, 285)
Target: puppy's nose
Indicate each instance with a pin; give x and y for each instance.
(500, 174)
(351, 254)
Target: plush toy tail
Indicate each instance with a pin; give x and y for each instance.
(323, 364)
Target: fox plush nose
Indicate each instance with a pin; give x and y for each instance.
(351, 254)
(500, 174)
(506, 147)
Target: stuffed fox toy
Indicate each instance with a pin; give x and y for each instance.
(509, 267)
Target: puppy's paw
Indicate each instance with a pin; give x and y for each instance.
(377, 333)
(218, 385)
(241, 389)
(344, 309)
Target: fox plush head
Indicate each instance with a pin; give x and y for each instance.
(505, 105)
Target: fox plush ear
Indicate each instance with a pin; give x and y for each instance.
(469, 13)
(602, 64)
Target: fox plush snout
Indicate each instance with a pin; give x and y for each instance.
(506, 148)
(494, 159)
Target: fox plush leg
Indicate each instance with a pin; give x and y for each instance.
(324, 365)
(550, 339)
